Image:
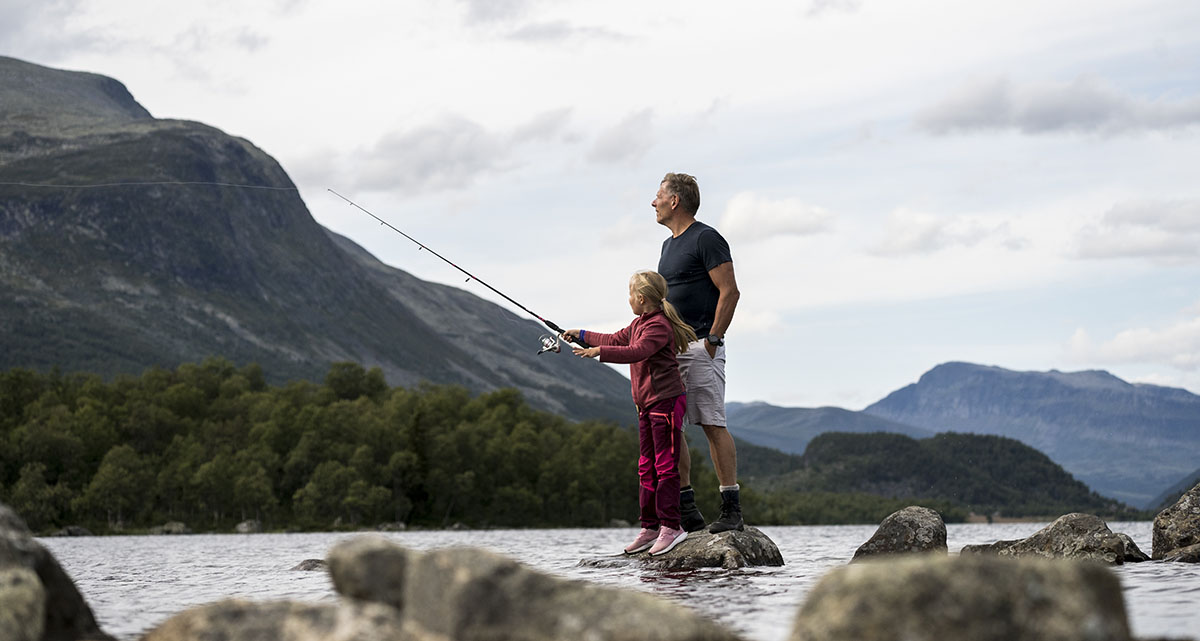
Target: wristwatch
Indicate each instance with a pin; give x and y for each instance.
(717, 341)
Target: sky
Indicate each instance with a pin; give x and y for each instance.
(902, 184)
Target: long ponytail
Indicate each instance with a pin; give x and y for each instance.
(654, 287)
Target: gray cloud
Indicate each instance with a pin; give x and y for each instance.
(1160, 230)
(545, 126)
(490, 11)
(820, 7)
(446, 155)
(912, 233)
(1086, 104)
(628, 140)
(35, 28)
(560, 31)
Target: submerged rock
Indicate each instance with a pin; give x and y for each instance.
(67, 615)
(913, 529)
(468, 594)
(1178, 526)
(971, 597)
(1072, 536)
(730, 550)
(309, 565)
(237, 620)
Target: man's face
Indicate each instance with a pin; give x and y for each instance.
(664, 204)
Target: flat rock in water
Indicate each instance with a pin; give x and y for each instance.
(1178, 526)
(310, 565)
(730, 550)
(980, 598)
(237, 620)
(911, 530)
(1071, 536)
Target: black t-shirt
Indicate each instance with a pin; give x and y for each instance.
(685, 263)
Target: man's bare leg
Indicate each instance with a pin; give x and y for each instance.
(724, 457)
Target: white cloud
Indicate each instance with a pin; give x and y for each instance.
(1163, 230)
(1086, 104)
(908, 232)
(627, 141)
(445, 155)
(749, 217)
(1176, 345)
(819, 7)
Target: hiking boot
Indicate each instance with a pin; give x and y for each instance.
(645, 539)
(731, 514)
(691, 519)
(668, 538)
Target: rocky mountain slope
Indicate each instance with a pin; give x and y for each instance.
(114, 278)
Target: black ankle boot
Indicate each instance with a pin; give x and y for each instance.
(731, 514)
(690, 518)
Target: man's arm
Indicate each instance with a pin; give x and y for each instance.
(722, 277)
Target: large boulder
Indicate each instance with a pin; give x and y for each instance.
(913, 529)
(22, 605)
(1072, 536)
(469, 594)
(67, 615)
(981, 598)
(237, 620)
(1189, 554)
(1177, 526)
(730, 550)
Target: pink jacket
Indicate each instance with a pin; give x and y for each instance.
(648, 345)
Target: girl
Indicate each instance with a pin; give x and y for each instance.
(649, 345)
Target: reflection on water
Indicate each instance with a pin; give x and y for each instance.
(134, 583)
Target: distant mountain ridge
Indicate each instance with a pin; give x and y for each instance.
(119, 278)
(789, 429)
(1125, 441)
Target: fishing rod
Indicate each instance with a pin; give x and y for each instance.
(550, 342)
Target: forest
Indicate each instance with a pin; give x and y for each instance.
(212, 444)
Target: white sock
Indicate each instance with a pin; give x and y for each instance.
(735, 486)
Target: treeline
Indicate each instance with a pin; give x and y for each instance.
(211, 444)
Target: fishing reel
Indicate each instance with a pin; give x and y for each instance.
(550, 343)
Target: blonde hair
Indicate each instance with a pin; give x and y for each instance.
(653, 287)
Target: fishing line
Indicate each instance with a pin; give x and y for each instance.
(550, 343)
(136, 184)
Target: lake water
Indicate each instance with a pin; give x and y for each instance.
(135, 582)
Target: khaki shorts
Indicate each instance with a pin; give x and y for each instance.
(704, 380)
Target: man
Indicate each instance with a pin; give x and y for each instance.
(698, 267)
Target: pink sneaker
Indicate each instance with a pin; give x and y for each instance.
(668, 538)
(644, 540)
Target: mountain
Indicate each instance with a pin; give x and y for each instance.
(1172, 494)
(789, 429)
(982, 473)
(1126, 441)
(103, 276)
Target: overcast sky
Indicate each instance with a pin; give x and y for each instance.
(902, 184)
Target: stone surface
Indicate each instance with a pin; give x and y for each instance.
(73, 530)
(912, 529)
(310, 565)
(982, 598)
(67, 615)
(1189, 554)
(1072, 536)
(1133, 554)
(730, 550)
(467, 594)
(1177, 526)
(237, 620)
(252, 526)
(22, 605)
(172, 527)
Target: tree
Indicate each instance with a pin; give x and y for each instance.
(119, 486)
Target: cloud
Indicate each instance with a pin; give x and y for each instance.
(908, 232)
(547, 125)
(486, 11)
(445, 155)
(749, 217)
(560, 30)
(1177, 346)
(627, 141)
(35, 28)
(1086, 104)
(1164, 231)
(820, 7)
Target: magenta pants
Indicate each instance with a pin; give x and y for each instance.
(660, 429)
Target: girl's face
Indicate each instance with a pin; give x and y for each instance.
(637, 302)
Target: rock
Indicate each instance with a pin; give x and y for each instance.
(1189, 554)
(913, 529)
(619, 523)
(22, 605)
(1177, 526)
(252, 526)
(1072, 536)
(73, 530)
(1133, 554)
(309, 565)
(730, 550)
(237, 620)
(981, 598)
(173, 527)
(395, 526)
(469, 594)
(67, 615)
